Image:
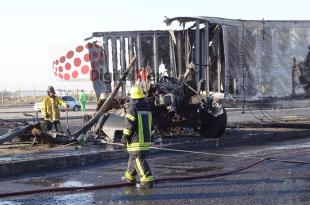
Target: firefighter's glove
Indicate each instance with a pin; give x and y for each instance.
(124, 140)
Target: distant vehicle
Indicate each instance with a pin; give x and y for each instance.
(74, 105)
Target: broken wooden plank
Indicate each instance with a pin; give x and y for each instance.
(14, 133)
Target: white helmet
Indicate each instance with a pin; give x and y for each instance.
(103, 96)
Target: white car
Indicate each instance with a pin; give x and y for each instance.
(74, 105)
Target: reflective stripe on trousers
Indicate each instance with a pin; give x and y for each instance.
(137, 164)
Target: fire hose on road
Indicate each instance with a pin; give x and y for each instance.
(159, 180)
(126, 184)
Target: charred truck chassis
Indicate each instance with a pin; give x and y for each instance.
(176, 104)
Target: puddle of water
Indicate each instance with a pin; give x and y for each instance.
(74, 184)
(61, 199)
(8, 158)
(73, 199)
(54, 182)
(10, 203)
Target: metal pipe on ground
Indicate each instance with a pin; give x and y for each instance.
(104, 107)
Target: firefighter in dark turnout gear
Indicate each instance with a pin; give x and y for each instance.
(137, 136)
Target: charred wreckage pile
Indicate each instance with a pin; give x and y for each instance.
(174, 103)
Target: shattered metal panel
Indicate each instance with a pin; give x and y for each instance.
(260, 58)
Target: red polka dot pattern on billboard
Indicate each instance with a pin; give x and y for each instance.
(82, 62)
(75, 74)
(68, 66)
(70, 54)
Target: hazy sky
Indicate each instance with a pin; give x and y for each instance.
(30, 29)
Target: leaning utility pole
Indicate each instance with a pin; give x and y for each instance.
(104, 107)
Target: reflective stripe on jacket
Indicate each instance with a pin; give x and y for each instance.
(138, 126)
(51, 113)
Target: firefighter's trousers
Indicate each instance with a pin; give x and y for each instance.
(137, 164)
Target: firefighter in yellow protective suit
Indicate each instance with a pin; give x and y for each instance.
(50, 110)
(137, 136)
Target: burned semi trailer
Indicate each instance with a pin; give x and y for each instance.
(251, 59)
(175, 88)
(241, 59)
(206, 59)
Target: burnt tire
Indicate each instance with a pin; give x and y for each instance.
(211, 126)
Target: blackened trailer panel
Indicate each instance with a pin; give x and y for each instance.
(260, 59)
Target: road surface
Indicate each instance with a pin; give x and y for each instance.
(267, 183)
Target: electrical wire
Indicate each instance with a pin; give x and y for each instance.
(264, 113)
(277, 118)
(267, 117)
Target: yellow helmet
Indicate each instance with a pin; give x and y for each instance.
(136, 92)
